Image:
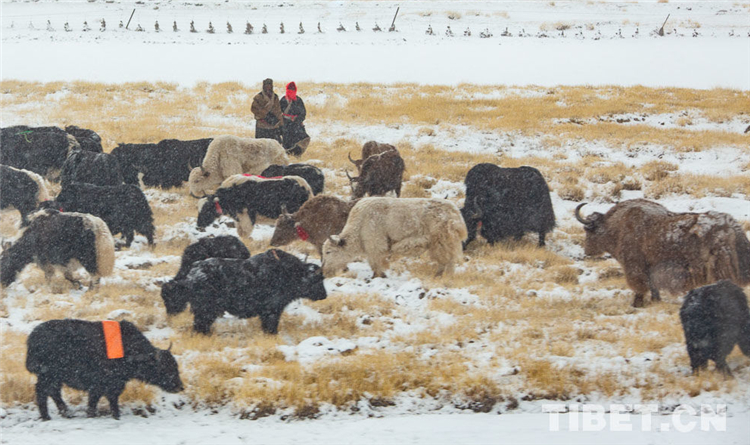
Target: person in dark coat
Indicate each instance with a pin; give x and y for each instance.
(296, 139)
(267, 111)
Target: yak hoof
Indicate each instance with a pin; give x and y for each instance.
(638, 301)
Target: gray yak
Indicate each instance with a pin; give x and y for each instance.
(659, 249)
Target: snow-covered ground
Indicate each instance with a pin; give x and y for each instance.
(550, 43)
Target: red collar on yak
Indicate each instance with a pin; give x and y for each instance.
(302, 233)
(262, 177)
(113, 339)
(217, 206)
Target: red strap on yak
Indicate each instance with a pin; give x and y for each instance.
(113, 339)
(218, 208)
(262, 177)
(302, 233)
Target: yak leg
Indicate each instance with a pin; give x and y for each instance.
(655, 294)
(542, 235)
(42, 392)
(69, 269)
(244, 224)
(129, 236)
(56, 394)
(49, 272)
(202, 321)
(378, 266)
(114, 405)
(637, 277)
(270, 323)
(94, 396)
(721, 365)
(376, 250)
(471, 228)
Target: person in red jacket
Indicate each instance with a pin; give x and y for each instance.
(295, 137)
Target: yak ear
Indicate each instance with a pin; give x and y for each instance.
(337, 240)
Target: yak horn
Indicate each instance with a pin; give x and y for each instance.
(283, 210)
(350, 178)
(585, 222)
(197, 197)
(350, 158)
(169, 348)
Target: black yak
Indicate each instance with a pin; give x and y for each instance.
(224, 246)
(506, 202)
(714, 319)
(61, 239)
(313, 175)
(262, 285)
(244, 198)
(21, 189)
(75, 353)
(124, 207)
(42, 150)
(91, 168)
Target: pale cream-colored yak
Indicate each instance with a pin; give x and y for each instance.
(379, 227)
(230, 155)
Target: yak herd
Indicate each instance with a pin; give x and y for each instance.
(244, 179)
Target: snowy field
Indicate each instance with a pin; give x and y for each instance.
(706, 45)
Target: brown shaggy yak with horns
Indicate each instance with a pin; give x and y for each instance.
(659, 249)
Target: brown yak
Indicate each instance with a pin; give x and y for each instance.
(317, 219)
(370, 148)
(379, 175)
(659, 249)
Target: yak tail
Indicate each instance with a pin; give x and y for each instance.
(16, 258)
(744, 341)
(105, 247)
(742, 246)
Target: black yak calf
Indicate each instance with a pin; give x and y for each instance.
(714, 319)
(77, 353)
(225, 246)
(260, 286)
(313, 175)
(61, 239)
(123, 207)
(21, 189)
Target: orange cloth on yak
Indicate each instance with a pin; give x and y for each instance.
(113, 339)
